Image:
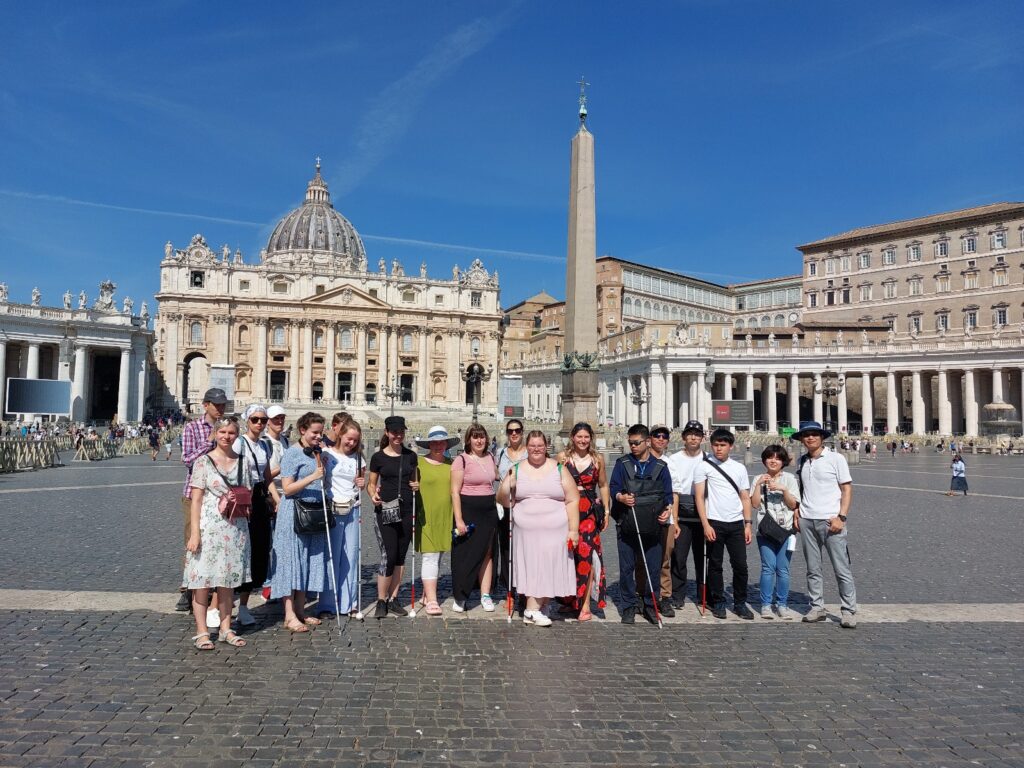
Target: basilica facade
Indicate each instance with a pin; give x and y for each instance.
(313, 322)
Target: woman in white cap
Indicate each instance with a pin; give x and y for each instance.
(434, 519)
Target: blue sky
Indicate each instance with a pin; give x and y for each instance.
(727, 132)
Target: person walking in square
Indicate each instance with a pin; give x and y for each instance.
(641, 492)
(721, 493)
(775, 493)
(958, 482)
(826, 491)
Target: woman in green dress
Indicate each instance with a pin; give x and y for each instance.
(434, 522)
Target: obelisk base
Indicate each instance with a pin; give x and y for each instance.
(579, 400)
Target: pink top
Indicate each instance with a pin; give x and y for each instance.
(478, 479)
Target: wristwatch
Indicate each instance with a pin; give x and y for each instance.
(748, 522)
(842, 517)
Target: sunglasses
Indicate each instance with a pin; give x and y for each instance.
(660, 435)
(258, 420)
(514, 431)
(637, 442)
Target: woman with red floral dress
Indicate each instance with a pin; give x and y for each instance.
(587, 468)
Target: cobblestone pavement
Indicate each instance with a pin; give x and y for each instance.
(83, 686)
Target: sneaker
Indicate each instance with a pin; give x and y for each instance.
(815, 614)
(487, 603)
(395, 608)
(458, 607)
(718, 611)
(849, 620)
(184, 603)
(212, 618)
(537, 618)
(766, 612)
(667, 611)
(629, 615)
(381, 610)
(743, 611)
(678, 603)
(786, 614)
(650, 615)
(245, 618)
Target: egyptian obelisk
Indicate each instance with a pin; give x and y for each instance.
(579, 368)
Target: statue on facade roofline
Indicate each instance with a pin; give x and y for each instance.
(839, 337)
(168, 250)
(127, 305)
(455, 273)
(382, 266)
(396, 269)
(67, 299)
(817, 338)
(423, 269)
(144, 312)
(968, 330)
(105, 302)
(36, 297)
(891, 335)
(864, 336)
(3, 293)
(795, 339)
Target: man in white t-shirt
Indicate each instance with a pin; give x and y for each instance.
(687, 531)
(826, 490)
(721, 490)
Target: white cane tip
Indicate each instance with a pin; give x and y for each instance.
(359, 616)
(412, 614)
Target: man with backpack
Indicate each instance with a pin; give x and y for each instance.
(721, 491)
(826, 490)
(641, 491)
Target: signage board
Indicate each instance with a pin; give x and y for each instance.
(727, 413)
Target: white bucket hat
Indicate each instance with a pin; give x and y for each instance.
(437, 432)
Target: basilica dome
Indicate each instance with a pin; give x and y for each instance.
(315, 231)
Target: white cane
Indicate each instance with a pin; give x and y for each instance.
(359, 548)
(412, 580)
(330, 552)
(647, 568)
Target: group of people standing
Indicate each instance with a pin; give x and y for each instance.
(520, 520)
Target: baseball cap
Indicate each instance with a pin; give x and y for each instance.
(274, 411)
(215, 395)
(693, 426)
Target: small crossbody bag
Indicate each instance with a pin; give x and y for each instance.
(391, 511)
(769, 527)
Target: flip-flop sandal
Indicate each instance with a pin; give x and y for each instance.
(231, 638)
(585, 617)
(203, 645)
(433, 609)
(310, 621)
(296, 627)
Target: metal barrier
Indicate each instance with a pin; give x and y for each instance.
(20, 454)
(96, 450)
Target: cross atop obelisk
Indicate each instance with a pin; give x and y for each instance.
(579, 370)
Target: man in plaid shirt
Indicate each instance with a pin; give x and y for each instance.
(195, 441)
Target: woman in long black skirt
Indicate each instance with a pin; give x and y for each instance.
(476, 520)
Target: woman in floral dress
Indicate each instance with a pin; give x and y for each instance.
(217, 553)
(587, 468)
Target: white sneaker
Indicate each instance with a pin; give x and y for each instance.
(458, 607)
(486, 603)
(537, 618)
(766, 612)
(786, 614)
(245, 618)
(212, 618)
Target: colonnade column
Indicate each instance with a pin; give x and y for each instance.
(748, 394)
(892, 404)
(306, 389)
(997, 378)
(917, 404)
(695, 387)
(970, 404)
(3, 378)
(393, 367)
(658, 396)
(330, 361)
(622, 401)
(423, 371)
(32, 368)
(727, 386)
(818, 410)
(842, 420)
(293, 374)
(383, 374)
(794, 400)
(454, 365)
(945, 411)
(123, 382)
(172, 380)
(359, 386)
(772, 415)
(259, 384)
(77, 383)
(867, 404)
(142, 376)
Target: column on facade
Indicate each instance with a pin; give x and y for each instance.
(78, 396)
(223, 352)
(32, 367)
(620, 402)
(997, 378)
(3, 377)
(867, 404)
(423, 371)
(259, 376)
(748, 394)
(693, 387)
(142, 376)
(173, 379)
(454, 367)
(970, 403)
(892, 404)
(818, 409)
(842, 420)
(394, 371)
(794, 400)
(123, 383)
(383, 374)
(916, 404)
(944, 405)
(330, 361)
(306, 388)
(956, 400)
(293, 374)
(727, 386)
(359, 385)
(771, 412)
(656, 391)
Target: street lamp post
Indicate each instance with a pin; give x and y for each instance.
(637, 396)
(832, 383)
(391, 392)
(475, 375)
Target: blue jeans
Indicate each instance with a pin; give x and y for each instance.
(774, 571)
(345, 548)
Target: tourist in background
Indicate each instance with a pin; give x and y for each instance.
(434, 518)
(472, 490)
(344, 478)
(546, 530)
(391, 487)
(278, 442)
(299, 559)
(958, 482)
(217, 550)
(587, 469)
(775, 493)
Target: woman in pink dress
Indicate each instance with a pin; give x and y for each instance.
(545, 528)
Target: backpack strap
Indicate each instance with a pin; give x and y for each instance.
(724, 474)
(800, 474)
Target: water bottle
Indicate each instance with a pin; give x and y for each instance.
(469, 532)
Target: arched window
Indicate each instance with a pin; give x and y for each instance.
(196, 332)
(766, 322)
(371, 342)
(647, 309)
(780, 321)
(752, 323)
(675, 313)
(243, 335)
(278, 340)
(438, 345)
(346, 338)
(739, 325)
(407, 342)
(474, 346)
(627, 306)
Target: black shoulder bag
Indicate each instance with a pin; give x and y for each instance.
(311, 516)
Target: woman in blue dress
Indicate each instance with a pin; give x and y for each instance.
(300, 560)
